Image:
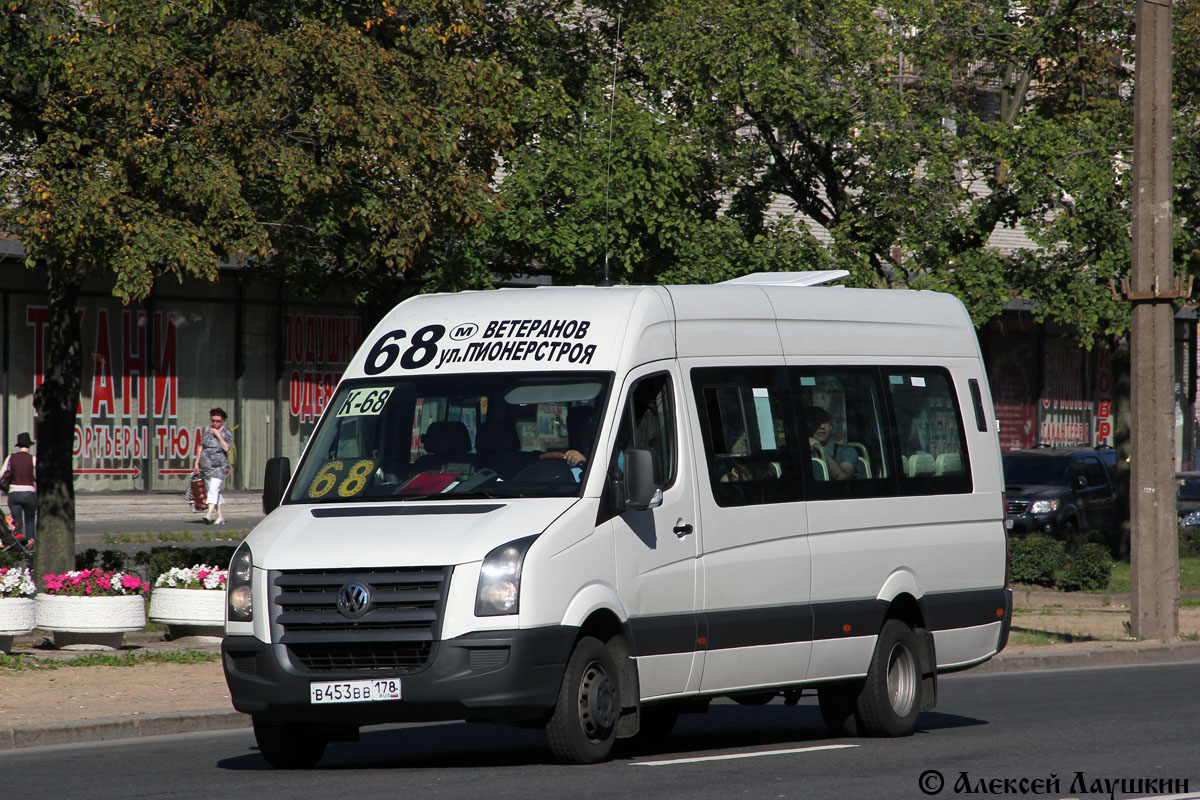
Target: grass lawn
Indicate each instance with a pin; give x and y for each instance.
(1189, 576)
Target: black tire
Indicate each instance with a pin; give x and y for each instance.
(291, 745)
(583, 726)
(891, 695)
(657, 722)
(837, 702)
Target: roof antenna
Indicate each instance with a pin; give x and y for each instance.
(608, 169)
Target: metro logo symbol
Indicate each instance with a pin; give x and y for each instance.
(464, 331)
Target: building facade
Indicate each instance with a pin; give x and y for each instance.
(272, 358)
(152, 370)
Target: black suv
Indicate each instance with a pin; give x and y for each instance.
(1059, 492)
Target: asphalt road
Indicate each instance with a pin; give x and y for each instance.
(1075, 731)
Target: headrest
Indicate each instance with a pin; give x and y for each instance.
(446, 437)
(581, 426)
(496, 436)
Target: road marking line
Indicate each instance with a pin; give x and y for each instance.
(731, 756)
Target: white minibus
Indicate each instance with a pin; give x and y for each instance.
(591, 509)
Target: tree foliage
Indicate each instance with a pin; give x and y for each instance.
(903, 141)
(320, 140)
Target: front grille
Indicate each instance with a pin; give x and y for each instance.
(396, 633)
(1016, 508)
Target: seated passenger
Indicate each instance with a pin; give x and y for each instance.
(839, 458)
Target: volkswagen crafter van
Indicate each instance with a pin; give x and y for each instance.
(592, 509)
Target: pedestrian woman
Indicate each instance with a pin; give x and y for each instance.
(21, 469)
(212, 458)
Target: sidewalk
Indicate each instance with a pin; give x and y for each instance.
(87, 704)
(129, 513)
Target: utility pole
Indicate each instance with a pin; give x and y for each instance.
(1154, 553)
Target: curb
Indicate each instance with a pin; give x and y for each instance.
(1099, 656)
(113, 728)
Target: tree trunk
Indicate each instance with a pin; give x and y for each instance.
(55, 402)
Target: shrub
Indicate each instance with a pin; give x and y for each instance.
(109, 560)
(1089, 567)
(1035, 560)
(1189, 541)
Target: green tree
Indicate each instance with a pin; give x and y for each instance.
(669, 134)
(606, 172)
(142, 140)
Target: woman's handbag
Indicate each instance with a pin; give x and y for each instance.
(197, 491)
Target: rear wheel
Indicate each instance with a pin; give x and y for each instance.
(583, 726)
(891, 695)
(291, 745)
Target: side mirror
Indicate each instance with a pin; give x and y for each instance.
(642, 490)
(1081, 481)
(275, 482)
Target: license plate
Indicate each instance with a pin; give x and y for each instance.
(1008, 523)
(367, 691)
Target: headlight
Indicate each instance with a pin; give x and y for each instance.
(240, 585)
(1191, 518)
(500, 579)
(1043, 506)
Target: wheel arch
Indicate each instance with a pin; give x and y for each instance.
(603, 624)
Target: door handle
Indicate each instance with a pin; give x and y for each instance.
(682, 530)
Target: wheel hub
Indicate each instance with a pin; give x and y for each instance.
(902, 680)
(597, 702)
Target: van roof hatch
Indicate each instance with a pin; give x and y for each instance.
(811, 278)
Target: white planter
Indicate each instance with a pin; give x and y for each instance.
(189, 612)
(17, 617)
(90, 622)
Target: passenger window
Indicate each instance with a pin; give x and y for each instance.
(929, 431)
(1094, 471)
(749, 434)
(648, 420)
(844, 430)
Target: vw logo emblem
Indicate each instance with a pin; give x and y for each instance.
(354, 600)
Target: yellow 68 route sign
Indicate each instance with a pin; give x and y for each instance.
(349, 482)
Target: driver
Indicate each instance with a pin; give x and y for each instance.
(581, 435)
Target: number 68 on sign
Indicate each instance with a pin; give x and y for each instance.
(349, 482)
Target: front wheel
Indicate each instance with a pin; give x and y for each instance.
(289, 746)
(583, 726)
(890, 699)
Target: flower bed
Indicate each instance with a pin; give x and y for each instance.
(93, 583)
(91, 608)
(17, 614)
(199, 576)
(190, 600)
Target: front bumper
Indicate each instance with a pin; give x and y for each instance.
(1030, 523)
(508, 676)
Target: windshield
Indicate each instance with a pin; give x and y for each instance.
(1189, 489)
(484, 435)
(1035, 469)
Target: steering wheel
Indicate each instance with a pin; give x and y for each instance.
(549, 470)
